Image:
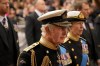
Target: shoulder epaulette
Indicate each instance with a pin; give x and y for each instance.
(82, 39)
(31, 46)
(66, 39)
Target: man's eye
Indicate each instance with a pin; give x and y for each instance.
(5, 3)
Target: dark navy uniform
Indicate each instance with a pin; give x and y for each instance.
(42, 53)
(39, 54)
(74, 46)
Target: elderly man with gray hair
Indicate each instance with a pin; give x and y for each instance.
(45, 52)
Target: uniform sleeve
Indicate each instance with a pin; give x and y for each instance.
(24, 59)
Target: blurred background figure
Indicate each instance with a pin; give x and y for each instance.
(54, 5)
(9, 47)
(67, 5)
(95, 18)
(33, 26)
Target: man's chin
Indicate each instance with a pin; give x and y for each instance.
(61, 42)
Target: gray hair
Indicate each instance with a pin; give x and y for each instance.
(44, 26)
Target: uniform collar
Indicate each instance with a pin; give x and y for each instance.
(47, 44)
(71, 36)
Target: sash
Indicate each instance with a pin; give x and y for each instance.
(64, 57)
(84, 53)
(62, 50)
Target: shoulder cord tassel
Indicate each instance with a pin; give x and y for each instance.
(46, 61)
(33, 58)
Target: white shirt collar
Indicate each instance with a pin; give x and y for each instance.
(38, 12)
(1, 18)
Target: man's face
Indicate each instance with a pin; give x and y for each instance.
(86, 10)
(41, 6)
(4, 7)
(58, 34)
(94, 4)
(77, 28)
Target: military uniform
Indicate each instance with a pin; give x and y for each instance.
(42, 53)
(77, 47)
(39, 54)
(74, 46)
(45, 53)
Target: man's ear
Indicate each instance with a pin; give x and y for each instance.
(47, 29)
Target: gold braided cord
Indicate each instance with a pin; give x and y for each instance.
(46, 61)
(18, 60)
(33, 58)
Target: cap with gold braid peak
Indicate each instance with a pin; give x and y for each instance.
(57, 17)
(75, 16)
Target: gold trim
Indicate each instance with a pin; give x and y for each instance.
(73, 49)
(75, 57)
(31, 46)
(78, 16)
(66, 39)
(47, 44)
(81, 16)
(46, 61)
(63, 24)
(77, 64)
(18, 59)
(71, 36)
(69, 42)
(33, 58)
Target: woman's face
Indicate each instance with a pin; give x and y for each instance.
(77, 28)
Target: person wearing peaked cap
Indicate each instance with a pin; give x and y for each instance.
(88, 29)
(76, 45)
(45, 51)
(74, 16)
(57, 17)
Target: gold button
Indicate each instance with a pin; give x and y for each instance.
(69, 41)
(72, 49)
(87, 63)
(75, 57)
(17, 41)
(77, 64)
(47, 51)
